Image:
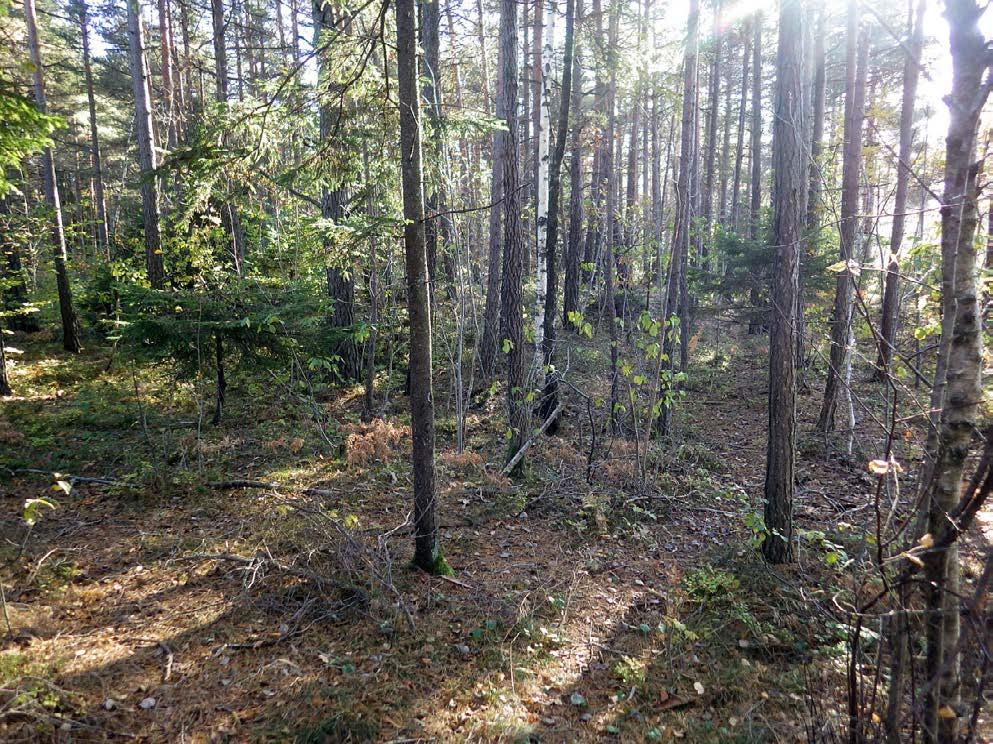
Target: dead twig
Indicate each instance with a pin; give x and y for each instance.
(233, 484)
(512, 463)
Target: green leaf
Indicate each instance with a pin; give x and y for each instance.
(32, 509)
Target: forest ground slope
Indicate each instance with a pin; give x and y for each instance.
(167, 604)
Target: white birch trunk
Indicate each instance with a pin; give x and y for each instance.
(541, 207)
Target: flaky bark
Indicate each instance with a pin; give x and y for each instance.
(513, 238)
(789, 184)
(103, 230)
(550, 393)
(426, 553)
(841, 319)
(963, 381)
(684, 211)
(740, 147)
(145, 134)
(570, 292)
(891, 287)
(340, 279)
(490, 341)
(70, 324)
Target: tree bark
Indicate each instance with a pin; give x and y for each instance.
(857, 53)
(891, 287)
(815, 176)
(490, 341)
(550, 393)
(740, 146)
(542, 185)
(684, 212)
(426, 552)
(70, 324)
(340, 279)
(756, 322)
(220, 50)
(610, 212)
(167, 60)
(570, 294)
(430, 37)
(710, 138)
(513, 261)
(103, 229)
(755, 208)
(145, 133)
(962, 392)
(789, 185)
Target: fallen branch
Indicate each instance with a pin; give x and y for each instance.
(73, 479)
(232, 484)
(512, 463)
(218, 485)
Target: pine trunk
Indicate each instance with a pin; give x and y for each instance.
(513, 233)
(684, 211)
(426, 553)
(891, 287)
(103, 230)
(70, 324)
(857, 52)
(550, 393)
(145, 133)
(570, 295)
(789, 185)
(490, 342)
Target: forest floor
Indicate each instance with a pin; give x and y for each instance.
(584, 605)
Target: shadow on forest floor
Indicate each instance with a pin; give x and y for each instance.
(579, 610)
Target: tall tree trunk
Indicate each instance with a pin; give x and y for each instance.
(103, 231)
(340, 280)
(70, 325)
(756, 146)
(570, 293)
(186, 71)
(145, 133)
(220, 50)
(722, 210)
(594, 227)
(167, 60)
(430, 30)
(490, 341)
(684, 212)
(856, 54)
(891, 287)
(610, 227)
(963, 384)
(542, 186)
(756, 322)
(814, 170)
(740, 146)
(513, 261)
(550, 393)
(710, 146)
(789, 185)
(426, 553)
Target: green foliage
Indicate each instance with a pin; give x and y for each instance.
(708, 584)
(264, 324)
(23, 129)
